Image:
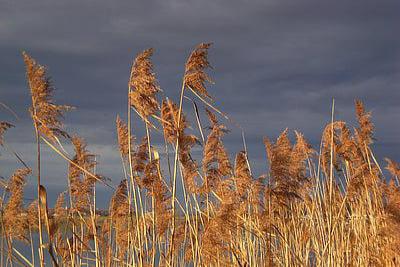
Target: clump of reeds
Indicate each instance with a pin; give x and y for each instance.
(332, 207)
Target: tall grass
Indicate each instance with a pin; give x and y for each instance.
(324, 207)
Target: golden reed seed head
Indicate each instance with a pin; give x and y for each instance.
(169, 119)
(169, 116)
(143, 85)
(214, 150)
(215, 163)
(59, 208)
(336, 140)
(287, 166)
(17, 180)
(45, 113)
(122, 136)
(212, 117)
(195, 76)
(393, 167)
(242, 173)
(80, 183)
(302, 146)
(14, 222)
(119, 205)
(364, 133)
(140, 156)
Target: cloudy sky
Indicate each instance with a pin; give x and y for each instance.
(277, 64)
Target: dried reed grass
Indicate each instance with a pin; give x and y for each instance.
(310, 208)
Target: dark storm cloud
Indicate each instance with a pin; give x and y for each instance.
(277, 64)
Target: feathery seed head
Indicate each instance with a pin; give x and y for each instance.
(364, 133)
(122, 135)
(143, 85)
(195, 76)
(45, 113)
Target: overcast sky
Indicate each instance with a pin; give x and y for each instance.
(277, 64)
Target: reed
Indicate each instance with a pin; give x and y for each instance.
(335, 206)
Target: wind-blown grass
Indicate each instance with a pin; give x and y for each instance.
(313, 206)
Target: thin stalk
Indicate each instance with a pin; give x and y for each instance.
(132, 180)
(152, 202)
(41, 258)
(175, 172)
(31, 244)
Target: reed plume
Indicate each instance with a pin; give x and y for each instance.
(393, 167)
(140, 156)
(162, 205)
(157, 189)
(144, 85)
(32, 214)
(195, 76)
(119, 210)
(169, 115)
(59, 214)
(287, 166)
(14, 221)
(60, 208)
(338, 140)
(219, 234)
(119, 202)
(122, 136)
(45, 113)
(81, 185)
(216, 162)
(364, 133)
(242, 173)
